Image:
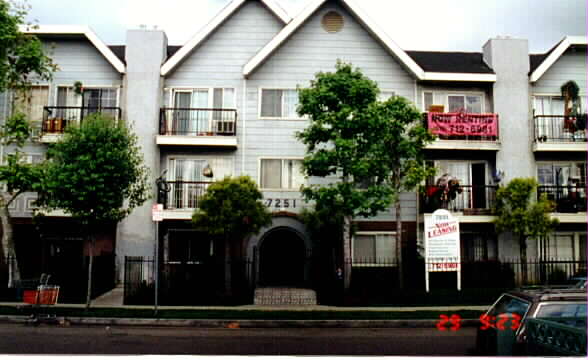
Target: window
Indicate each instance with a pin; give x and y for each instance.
(427, 100)
(561, 173)
(466, 103)
(193, 114)
(33, 105)
(509, 305)
(188, 182)
(281, 174)
(569, 310)
(96, 98)
(548, 105)
(374, 249)
(279, 103)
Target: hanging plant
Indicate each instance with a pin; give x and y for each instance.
(78, 88)
(571, 93)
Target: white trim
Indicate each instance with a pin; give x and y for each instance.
(439, 76)
(78, 30)
(207, 30)
(371, 26)
(556, 54)
(277, 10)
(221, 141)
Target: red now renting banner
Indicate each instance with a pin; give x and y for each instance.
(463, 124)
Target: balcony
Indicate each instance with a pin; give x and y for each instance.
(570, 201)
(463, 131)
(473, 204)
(57, 118)
(559, 133)
(198, 127)
(183, 197)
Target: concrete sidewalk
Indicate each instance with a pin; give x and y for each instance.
(278, 307)
(252, 323)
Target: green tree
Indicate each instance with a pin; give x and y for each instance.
(22, 62)
(343, 145)
(231, 210)
(525, 218)
(404, 137)
(96, 174)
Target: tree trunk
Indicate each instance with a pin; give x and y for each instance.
(523, 251)
(228, 287)
(399, 245)
(346, 252)
(8, 246)
(91, 261)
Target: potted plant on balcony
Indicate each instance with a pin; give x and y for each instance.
(571, 94)
(78, 88)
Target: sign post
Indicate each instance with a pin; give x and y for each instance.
(442, 250)
(156, 216)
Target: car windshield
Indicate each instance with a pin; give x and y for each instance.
(561, 310)
(511, 305)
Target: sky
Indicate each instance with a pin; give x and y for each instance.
(433, 25)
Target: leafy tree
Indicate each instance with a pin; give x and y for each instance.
(517, 213)
(231, 209)
(404, 138)
(96, 174)
(343, 144)
(22, 61)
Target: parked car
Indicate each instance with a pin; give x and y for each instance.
(502, 328)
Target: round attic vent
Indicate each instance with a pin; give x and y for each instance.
(332, 22)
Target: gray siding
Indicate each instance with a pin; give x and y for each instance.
(308, 51)
(570, 66)
(79, 60)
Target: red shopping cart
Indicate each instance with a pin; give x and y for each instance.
(39, 298)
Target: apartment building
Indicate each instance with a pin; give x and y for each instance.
(225, 104)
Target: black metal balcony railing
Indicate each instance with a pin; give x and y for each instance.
(559, 128)
(198, 122)
(462, 126)
(568, 199)
(473, 199)
(57, 118)
(185, 194)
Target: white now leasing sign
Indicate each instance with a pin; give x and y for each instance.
(157, 212)
(442, 250)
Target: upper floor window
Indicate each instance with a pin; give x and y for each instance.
(33, 103)
(561, 173)
(281, 174)
(466, 103)
(206, 98)
(279, 103)
(469, 103)
(93, 98)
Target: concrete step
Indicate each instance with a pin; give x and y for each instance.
(112, 298)
(284, 296)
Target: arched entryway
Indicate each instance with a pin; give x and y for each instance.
(282, 258)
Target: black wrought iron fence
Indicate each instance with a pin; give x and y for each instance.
(373, 280)
(472, 199)
(559, 128)
(185, 194)
(568, 199)
(198, 122)
(57, 118)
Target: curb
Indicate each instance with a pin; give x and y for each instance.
(211, 323)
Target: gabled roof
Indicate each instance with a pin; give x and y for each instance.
(77, 31)
(220, 18)
(351, 5)
(541, 63)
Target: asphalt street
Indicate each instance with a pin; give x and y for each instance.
(54, 339)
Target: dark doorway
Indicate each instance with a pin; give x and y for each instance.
(282, 258)
(478, 186)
